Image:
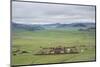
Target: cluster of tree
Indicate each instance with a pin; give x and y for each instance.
(88, 29)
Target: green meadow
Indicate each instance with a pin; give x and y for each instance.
(31, 41)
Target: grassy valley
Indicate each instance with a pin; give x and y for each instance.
(31, 41)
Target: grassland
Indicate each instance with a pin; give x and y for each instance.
(31, 41)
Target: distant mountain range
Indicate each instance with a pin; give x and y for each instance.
(26, 27)
(33, 27)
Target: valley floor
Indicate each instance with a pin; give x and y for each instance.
(31, 41)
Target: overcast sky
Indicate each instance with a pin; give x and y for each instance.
(33, 13)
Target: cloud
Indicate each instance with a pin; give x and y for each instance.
(38, 12)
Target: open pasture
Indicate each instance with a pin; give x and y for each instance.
(31, 41)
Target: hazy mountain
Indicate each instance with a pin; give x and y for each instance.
(59, 25)
(33, 27)
(26, 27)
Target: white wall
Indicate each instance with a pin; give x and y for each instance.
(5, 33)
